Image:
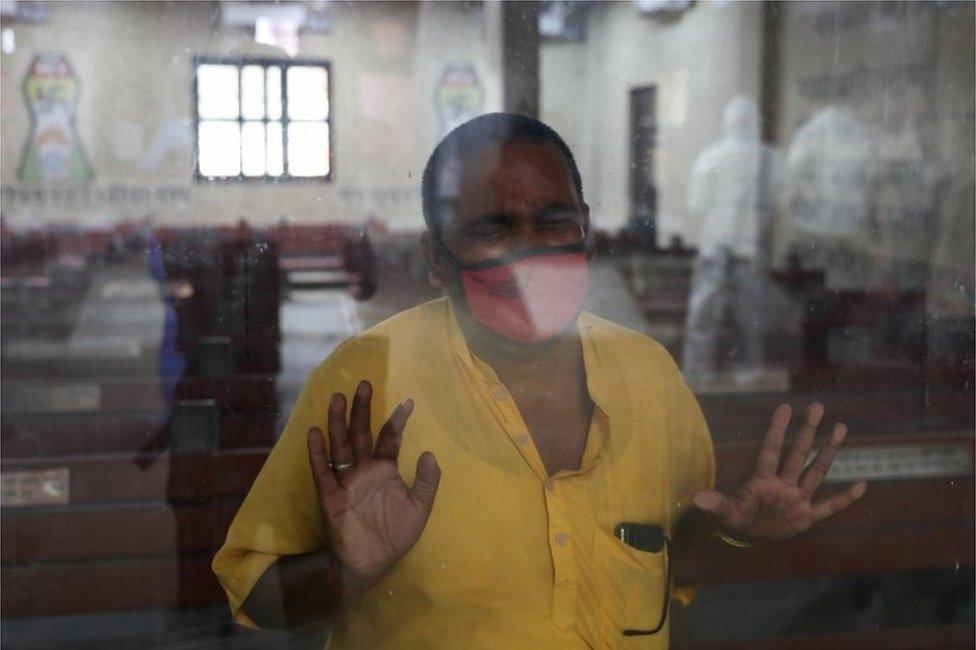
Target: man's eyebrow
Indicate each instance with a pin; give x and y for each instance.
(490, 217)
(556, 208)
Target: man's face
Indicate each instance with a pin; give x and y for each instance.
(504, 198)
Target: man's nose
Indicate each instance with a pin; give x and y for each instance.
(529, 235)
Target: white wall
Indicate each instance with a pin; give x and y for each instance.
(133, 60)
(906, 71)
(698, 62)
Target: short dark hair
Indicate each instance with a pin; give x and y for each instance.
(477, 133)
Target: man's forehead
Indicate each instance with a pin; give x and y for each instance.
(502, 168)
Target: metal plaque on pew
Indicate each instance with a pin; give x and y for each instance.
(900, 462)
(215, 356)
(79, 348)
(52, 398)
(131, 290)
(195, 426)
(46, 487)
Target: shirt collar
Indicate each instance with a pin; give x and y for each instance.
(601, 378)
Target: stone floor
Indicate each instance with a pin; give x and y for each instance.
(737, 613)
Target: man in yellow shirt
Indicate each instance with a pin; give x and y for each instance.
(553, 458)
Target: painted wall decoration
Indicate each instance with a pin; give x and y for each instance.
(54, 151)
(459, 95)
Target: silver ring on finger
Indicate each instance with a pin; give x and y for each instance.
(339, 468)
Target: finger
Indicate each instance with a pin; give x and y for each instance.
(359, 433)
(814, 476)
(325, 480)
(425, 483)
(340, 449)
(391, 435)
(834, 504)
(796, 460)
(772, 446)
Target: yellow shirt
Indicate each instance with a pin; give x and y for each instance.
(510, 557)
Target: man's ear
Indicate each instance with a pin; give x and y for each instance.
(587, 234)
(435, 270)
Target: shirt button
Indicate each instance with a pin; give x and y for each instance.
(550, 486)
(523, 439)
(500, 393)
(561, 539)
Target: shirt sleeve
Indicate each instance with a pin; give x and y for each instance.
(280, 515)
(693, 456)
(692, 465)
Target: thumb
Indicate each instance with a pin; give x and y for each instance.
(712, 502)
(425, 482)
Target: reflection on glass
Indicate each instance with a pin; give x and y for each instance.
(220, 149)
(253, 151)
(174, 266)
(308, 93)
(308, 149)
(273, 82)
(252, 92)
(275, 157)
(733, 191)
(217, 91)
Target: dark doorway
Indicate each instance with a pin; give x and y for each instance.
(643, 140)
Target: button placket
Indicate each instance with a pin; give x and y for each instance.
(560, 543)
(499, 392)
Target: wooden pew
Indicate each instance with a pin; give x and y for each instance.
(161, 526)
(88, 417)
(130, 538)
(945, 637)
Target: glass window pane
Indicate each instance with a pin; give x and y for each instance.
(217, 91)
(273, 81)
(252, 92)
(783, 199)
(308, 92)
(275, 149)
(252, 152)
(220, 149)
(308, 149)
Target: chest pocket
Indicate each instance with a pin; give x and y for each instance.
(631, 590)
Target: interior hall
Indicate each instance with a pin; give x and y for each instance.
(201, 200)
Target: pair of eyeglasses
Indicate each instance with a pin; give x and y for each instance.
(650, 539)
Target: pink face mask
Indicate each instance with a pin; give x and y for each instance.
(530, 296)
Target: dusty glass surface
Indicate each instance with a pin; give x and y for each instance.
(202, 201)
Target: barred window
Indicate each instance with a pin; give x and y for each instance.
(263, 119)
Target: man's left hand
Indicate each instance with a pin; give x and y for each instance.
(776, 502)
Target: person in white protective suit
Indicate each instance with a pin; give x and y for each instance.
(833, 165)
(733, 191)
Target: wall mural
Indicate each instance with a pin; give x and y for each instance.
(459, 95)
(53, 151)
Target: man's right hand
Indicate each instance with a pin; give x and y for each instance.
(371, 517)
